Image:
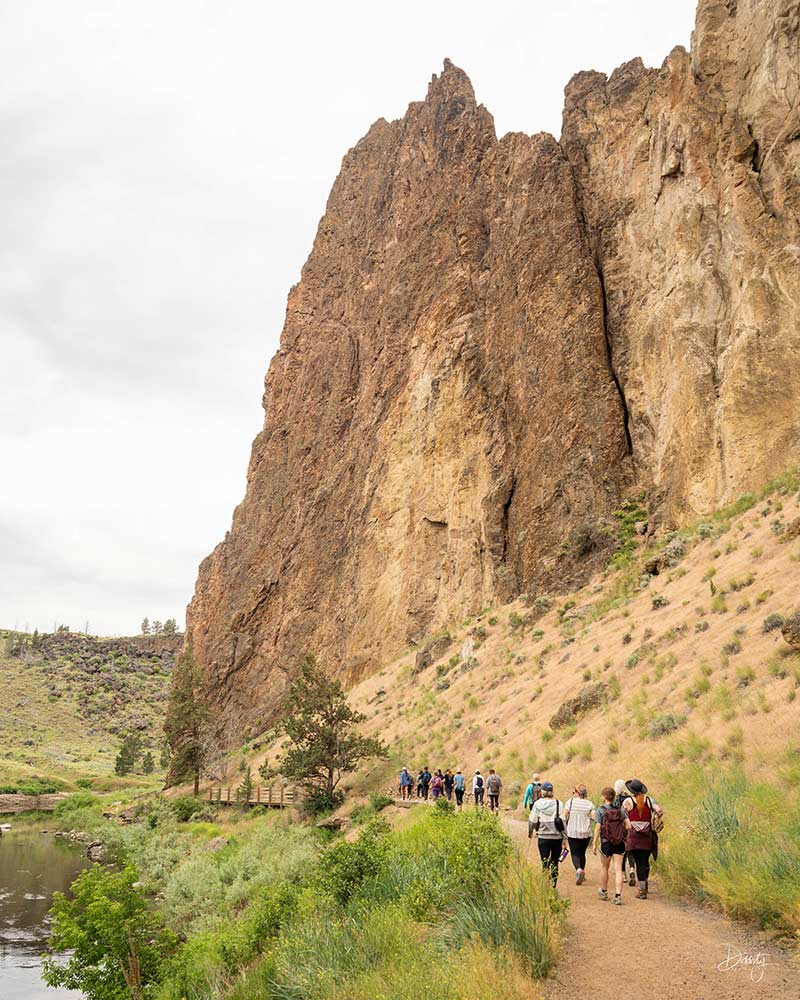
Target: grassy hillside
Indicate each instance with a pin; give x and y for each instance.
(636, 673)
(73, 697)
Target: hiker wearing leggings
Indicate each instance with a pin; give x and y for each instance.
(641, 842)
(578, 815)
(547, 823)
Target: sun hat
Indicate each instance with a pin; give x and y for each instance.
(636, 787)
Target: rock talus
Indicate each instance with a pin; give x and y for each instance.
(492, 342)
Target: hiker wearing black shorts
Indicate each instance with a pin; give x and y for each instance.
(494, 784)
(547, 823)
(610, 832)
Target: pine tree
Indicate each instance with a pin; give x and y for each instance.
(148, 764)
(186, 728)
(146, 626)
(170, 626)
(156, 628)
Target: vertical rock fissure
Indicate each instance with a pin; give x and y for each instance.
(610, 356)
(506, 509)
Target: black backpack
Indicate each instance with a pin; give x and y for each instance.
(478, 781)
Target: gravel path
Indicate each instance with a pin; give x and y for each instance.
(675, 951)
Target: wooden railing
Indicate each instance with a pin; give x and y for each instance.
(274, 796)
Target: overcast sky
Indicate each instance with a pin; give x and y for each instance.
(163, 168)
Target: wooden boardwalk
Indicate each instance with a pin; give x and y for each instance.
(273, 796)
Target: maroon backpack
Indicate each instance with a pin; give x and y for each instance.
(612, 826)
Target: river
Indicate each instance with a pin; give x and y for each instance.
(32, 867)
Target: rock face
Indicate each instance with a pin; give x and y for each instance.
(494, 341)
(689, 179)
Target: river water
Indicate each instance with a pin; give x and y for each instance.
(32, 867)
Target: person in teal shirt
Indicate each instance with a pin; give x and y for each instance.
(532, 792)
(458, 786)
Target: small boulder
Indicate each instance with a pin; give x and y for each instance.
(95, 850)
(333, 823)
(792, 530)
(654, 565)
(422, 661)
(790, 630)
(216, 844)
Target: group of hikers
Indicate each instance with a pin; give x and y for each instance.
(623, 829)
(626, 829)
(451, 785)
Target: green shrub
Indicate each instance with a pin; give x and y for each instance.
(185, 806)
(662, 725)
(772, 622)
(75, 802)
(107, 926)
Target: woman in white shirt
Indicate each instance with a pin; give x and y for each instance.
(579, 812)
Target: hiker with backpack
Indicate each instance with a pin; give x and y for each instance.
(578, 813)
(532, 792)
(494, 784)
(644, 824)
(477, 789)
(459, 784)
(437, 785)
(449, 782)
(420, 783)
(426, 782)
(611, 832)
(546, 820)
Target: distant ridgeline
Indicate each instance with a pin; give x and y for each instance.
(73, 696)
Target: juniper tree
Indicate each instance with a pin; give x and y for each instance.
(324, 743)
(186, 727)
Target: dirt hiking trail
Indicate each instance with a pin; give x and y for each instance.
(674, 951)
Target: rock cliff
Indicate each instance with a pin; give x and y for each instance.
(493, 341)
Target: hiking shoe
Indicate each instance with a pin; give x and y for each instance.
(602, 893)
(580, 875)
(641, 894)
(632, 878)
(617, 900)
